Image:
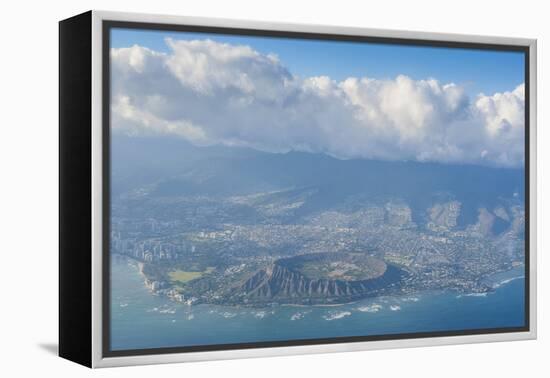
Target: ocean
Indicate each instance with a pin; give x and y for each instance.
(141, 320)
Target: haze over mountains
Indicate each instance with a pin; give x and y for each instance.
(168, 167)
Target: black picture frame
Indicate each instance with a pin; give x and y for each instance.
(75, 180)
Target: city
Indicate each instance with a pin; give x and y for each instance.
(211, 250)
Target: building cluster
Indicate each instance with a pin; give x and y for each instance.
(148, 250)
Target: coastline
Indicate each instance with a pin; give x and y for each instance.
(169, 323)
(494, 282)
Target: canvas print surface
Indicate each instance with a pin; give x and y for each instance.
(270, 189)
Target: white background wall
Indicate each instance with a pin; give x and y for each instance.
(28, 186)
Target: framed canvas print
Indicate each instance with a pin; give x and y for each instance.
(234, 189)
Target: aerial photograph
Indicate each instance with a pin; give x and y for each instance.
(270, 189)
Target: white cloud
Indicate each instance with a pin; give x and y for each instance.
(135, 121)
(213, 93)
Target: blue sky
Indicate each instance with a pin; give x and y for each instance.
(477, 71)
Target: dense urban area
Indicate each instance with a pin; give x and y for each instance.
(260, 248)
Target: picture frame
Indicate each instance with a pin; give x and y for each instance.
(88, 84)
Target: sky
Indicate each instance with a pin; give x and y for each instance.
(479, 71)
(348, 100)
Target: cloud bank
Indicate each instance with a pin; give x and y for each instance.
(213, 93)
